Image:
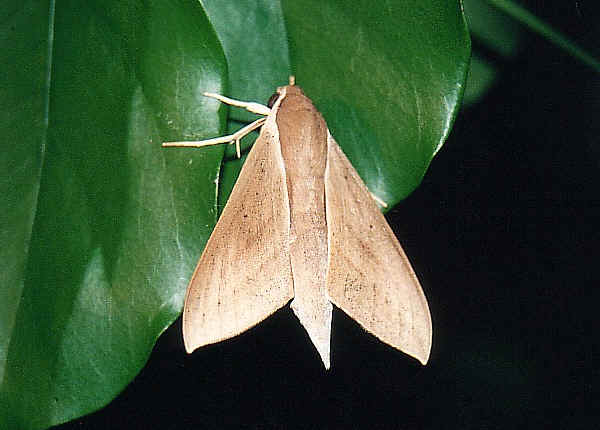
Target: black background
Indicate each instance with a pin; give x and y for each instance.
(503, 233)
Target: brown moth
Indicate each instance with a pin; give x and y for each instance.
(300, 224)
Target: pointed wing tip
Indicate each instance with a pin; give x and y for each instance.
(421, 354)
(420, 350)
(423, 359)
(189, 346)
(426, 352)
(191, 342)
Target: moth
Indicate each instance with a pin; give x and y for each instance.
(301, 225)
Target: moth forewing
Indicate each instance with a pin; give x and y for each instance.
(369, 276)
(244, 273)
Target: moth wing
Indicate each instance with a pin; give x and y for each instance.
(369, 277)
(244, 273)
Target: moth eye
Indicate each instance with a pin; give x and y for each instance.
(272, 100)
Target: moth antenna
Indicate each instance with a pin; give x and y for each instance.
(229, 139)
(249, 106)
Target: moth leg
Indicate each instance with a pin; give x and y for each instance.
(379, 201)
(229, 139)
(249, 106)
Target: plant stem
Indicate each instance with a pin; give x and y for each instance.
(537, 25)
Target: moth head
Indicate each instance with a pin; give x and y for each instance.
(290, 89)
(273, 98)
(279, 94)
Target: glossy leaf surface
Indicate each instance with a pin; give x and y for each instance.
(101, 243)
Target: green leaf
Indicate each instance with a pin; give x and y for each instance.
(23, 118)
(99, 257)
